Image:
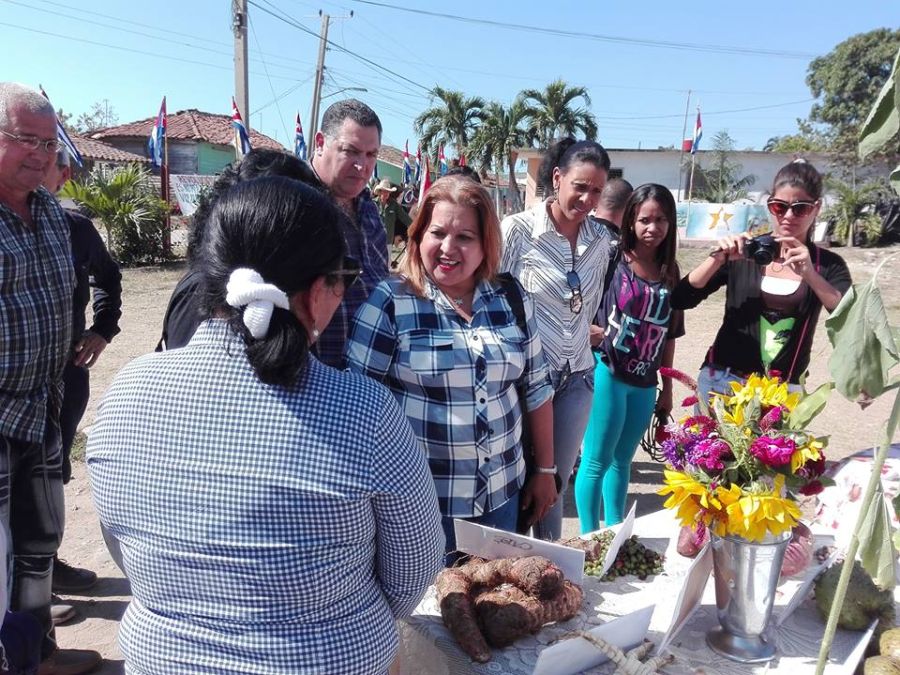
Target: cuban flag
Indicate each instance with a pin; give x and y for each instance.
(157, 140)
(418, 163)
(442, 161)
(299, 142)
(241, 137)
(698, 134)
(407, 169)
(426, 181)
(63, 136)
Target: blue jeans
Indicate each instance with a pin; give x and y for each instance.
(571, 409)
(712, 380)
(619, 417)
(502, 518)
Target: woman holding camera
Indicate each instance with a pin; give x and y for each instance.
(776, 286)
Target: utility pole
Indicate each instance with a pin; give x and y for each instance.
(681, 156)
(239, 22)
(319, 79)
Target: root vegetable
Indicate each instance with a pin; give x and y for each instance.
(455, 600)
(593, 549)
(507, 614)
(535, 575)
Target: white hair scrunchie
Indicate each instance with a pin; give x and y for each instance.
(246, 288)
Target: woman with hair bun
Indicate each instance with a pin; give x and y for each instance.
(773, 298)
(274, 515)
(561, 255)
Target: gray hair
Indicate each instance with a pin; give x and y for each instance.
(62, 157)
(15, 95)
(348, 109)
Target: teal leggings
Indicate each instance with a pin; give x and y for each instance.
(620, 415)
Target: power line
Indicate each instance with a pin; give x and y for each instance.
(715, 112)
(271, 86)
(686, 46)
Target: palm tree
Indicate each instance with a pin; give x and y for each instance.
(722, 183)
(497, 139)
(452, 122)
(552, 113)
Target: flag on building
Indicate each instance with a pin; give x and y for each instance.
(407, 169)
(425, 183)
(299, 142)
(241, 137)
(418, 163)
(442, 161)
(63, 137)
(698, 134)
(157, 140)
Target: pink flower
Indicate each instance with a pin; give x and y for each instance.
(813, 487)
(771, 418)
(773, 450)
(674, 374)
(709, 453)
(689, 401)
(704, 425)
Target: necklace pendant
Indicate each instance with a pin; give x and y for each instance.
(458, 302)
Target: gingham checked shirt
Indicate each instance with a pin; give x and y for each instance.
(367, 244)
(37, 281)
(456, 382)
(539, 256)
(264, 529)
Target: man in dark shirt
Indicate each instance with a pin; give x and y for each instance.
(396, 219)
(611, 206)
(94, 269)
(344, 157)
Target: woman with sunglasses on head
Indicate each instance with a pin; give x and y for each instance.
(774, 293)
(458, 347)
(274, 515)
(560, 255)
(640, 332)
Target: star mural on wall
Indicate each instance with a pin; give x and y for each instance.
(714, 223)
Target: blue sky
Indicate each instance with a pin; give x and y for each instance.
(746, 65)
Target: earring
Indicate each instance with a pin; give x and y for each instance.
(315, 333)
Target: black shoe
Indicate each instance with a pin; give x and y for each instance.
(70, 662)
(61, 612)
(68, 579)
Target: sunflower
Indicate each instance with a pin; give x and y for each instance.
(811, 451)
(770, 391)
(693, 500)
(753, 515)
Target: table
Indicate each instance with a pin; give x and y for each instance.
(427, 646)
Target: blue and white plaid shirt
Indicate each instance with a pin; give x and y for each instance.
(37, 282)
(367, 244)
(264, 529)
(456, 382)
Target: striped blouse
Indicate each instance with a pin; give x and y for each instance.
(540, 257)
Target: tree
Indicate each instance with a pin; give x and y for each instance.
(126, 203)
(100, 116)
(852, 217)
(65, 119)
(552, 113)
(452, 122)
(846, 82)
(497, 139)
(722, 183)
(800, 143)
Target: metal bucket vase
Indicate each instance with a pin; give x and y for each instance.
(746, 575)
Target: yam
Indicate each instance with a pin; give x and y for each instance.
(535, 575)
(507, 613)
(455, 600)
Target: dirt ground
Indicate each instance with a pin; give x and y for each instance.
(146, 292)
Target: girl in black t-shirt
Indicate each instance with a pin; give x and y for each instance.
(640, 330)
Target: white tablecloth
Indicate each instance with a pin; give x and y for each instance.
(429, 648)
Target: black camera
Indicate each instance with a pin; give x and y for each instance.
(762, 249)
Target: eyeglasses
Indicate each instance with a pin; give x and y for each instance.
(576, 302)
(350, 272)
(33, 142)
(779, 208)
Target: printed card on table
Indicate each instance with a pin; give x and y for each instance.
(575, 654)
(690, 596)
(624, 533)
(486, 542)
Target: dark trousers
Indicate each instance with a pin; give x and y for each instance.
(32, 512)
(77, 382)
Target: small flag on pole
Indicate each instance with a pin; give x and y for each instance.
(418, 163)
(698, 134)
(407, 169)
(299, 141)
(156, 142)
(241, 137)
(63, 136)
(442, 161)
(426, 181)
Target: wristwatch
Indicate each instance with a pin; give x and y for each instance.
(549, 470)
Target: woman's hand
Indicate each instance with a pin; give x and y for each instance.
(539, 495)
(796, 255)
(730, 247)
(664, 401)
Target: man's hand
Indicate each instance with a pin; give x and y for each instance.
(596, 335)
(88, 349)
(539, 493)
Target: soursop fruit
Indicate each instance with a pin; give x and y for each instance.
(863, 603)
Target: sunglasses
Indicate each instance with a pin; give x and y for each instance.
(576, 302)
(350, 272)
(779, 208)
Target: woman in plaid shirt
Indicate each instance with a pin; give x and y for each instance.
(444, 338)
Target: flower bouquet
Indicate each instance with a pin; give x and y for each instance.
(737, 467)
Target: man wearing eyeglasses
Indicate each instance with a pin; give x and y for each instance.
(36, 285)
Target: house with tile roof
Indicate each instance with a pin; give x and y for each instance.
(199, 143)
